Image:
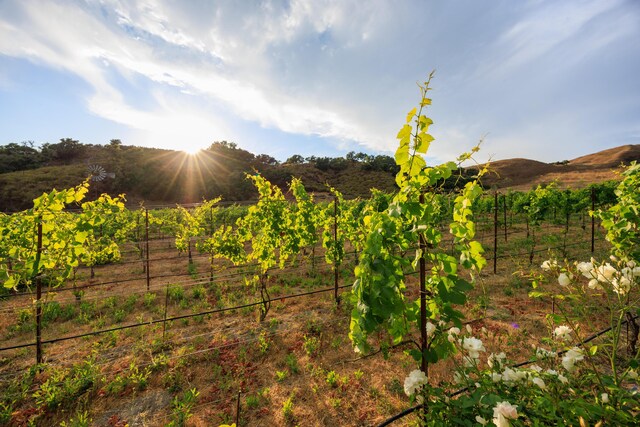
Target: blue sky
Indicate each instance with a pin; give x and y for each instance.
(547, 80)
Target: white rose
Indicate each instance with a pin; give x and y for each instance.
(586, 269)
(548, 264)
(430, 328)
(414, 382)
(571, 357)
(562, 332)
(496, 359)
(543, 353)
(564, 280)
(621, 285)
(503, 412)
(539, 382)
(481, 420)
(594, 284)
(510, 376)
(473, 346)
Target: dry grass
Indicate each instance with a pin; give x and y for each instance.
(524, 174)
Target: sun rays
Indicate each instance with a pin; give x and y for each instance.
(192, 177)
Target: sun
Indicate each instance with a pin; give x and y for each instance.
(189, 133)
(192, 150)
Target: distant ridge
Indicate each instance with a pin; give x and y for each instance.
(523, 174)
(611, 157)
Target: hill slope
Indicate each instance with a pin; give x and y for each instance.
(167, 177)
(523, 174)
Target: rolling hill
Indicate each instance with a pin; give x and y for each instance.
(523, 174)
(167, 177)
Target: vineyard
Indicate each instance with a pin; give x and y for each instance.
(212, 314)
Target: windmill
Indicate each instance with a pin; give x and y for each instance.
(97, 174)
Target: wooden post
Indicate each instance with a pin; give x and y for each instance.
(38, 297)
(166, 303)
(335, 240)
(593, 220)
(423, 301)
(146, 237)
(238, 409)
(210, 221)
(504, 210)
(495, 232)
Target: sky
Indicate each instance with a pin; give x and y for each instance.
(545, 80)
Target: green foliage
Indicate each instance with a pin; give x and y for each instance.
(182, 406)
(63, 236)
(577, 379)
(175, 292)
(281, 375)
(311, 345)
(292, 363)
(287, 408)
(414, 213)
(622, 220)
(81, 419)
(65, 385)
(18, 157)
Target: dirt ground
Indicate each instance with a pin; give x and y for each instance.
(297, 367)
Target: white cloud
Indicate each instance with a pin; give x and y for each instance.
(242, 81)
(344, 70)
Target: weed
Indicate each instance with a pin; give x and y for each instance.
(336, 342)
(24, 316)
(287, 408)
(6, 411)
(181, 408)
(281, 375)
(292, 363)
(311, 345)
(358, 374)
(395, 387)
(313, 327)
(135, 378)
(130, 303)
(159, 362)
(119, 315)
(252, 401)
(374, 393)
(198, 292)
(80, 420)
(149, 299)
(192, 270)
(176, 292)
(53, 311)
(100, 322)
(66, 385)
(110, 303)
(88, 309)
(263, 343)
(332, 379)
(173, 381)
